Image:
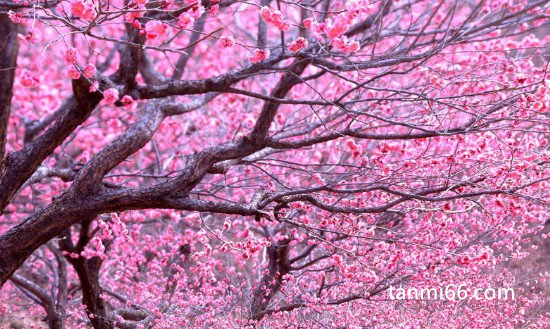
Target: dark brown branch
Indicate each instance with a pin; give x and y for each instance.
(285, 84)
(215, 84)
(54, 315)
(87, 270)
(18, 166)
(132, 140)
(130, 58)
(9, 46)
(34, 128)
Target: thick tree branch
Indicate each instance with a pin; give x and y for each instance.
(9, 46)
(18, 166)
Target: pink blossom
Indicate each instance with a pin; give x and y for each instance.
(32, 36)
(214, 9)
(274, 17)
(70, 55)
(155, 29)
(367, 179)
(436, 82)
(351, 145)
(73, 73)
(226, 41)
(283, 26)
(110, 96)
(259, 55)
(338, 26)
(281, 119)
(539, 106)
(266, 14)
(95, 248)
(308, 22)
(15, 17)
(197, 11)
(133, 16)
(357, 8)
(83, 9)
(298, 44)
(127, 101)
(94, 86)
(164, 4)
(185, 20)
(89, 70)
(343, 44)
(318, 29)
(521, 78)
(28, 78)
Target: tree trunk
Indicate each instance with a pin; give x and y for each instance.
(272, 281)
(9, 46)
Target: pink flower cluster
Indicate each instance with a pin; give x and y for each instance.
(436, 82)
(343, 44)
(73, 73)
(298, 44)
(133, 16)
(355, 149)
(155, 29)
(226, 41)
(274, 17)
(84, 9)
(15, 17)
(335, 28)
(259, 55)
(128, 102)
(28, 78)
(111, 95)
(185, 21)
(197, 10)
(95, 248)
(357, 8)
(70, 55)
(33, 36)
(540, 100)
(88, 71)
(119, 228)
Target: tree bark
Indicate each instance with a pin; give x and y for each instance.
(21, 241)
(9, 47)
(88, 273)
(278, 267)
(87, 270)
(18, 166)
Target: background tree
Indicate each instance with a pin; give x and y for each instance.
(274, 165)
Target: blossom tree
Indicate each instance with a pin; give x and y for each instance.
(271, 164)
